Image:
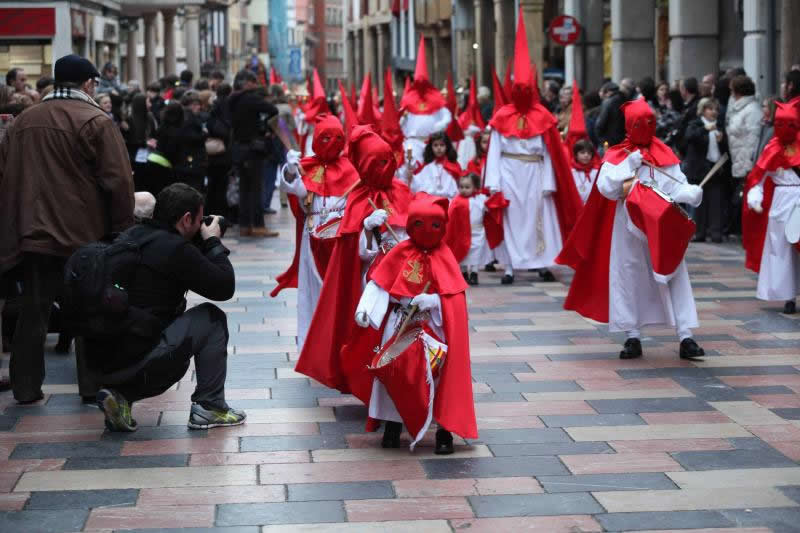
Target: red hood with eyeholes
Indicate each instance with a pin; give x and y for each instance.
(640, 128)
(328, 172)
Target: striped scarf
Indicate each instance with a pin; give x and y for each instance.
(66, 93)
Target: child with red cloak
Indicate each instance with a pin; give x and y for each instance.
(615, 279)
(584, 167)
(353, 252)
(326, 179)
(466, 232)
(441, 387)
(477, 165)
(441, 172)
(471, 122)
(772, 192)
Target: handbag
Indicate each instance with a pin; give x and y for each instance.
(215, 146)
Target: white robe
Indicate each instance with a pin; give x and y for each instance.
(434, 179)
(636, 298)
(779, 275)
(583, 185)
(417, 129)
(309, 281)
(479, 253)
(466, 147)
(530, 223)
(375, 303)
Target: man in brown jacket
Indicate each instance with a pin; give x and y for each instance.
(65, 180)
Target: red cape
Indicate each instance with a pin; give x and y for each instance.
(459, 229)
(395, 200)
(328, 179)
(288, 280)
(405, 270)
(568, 201)
(493, 220)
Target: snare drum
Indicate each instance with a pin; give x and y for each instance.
(667, 227)
(322, 240)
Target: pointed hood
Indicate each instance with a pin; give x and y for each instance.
(366, 109)
(350, 117)
(472, 114)
(453, 130)
(353, 97)
(318, 103)
(500, 98)
(421, 97)
(390, 121)
(577, 128)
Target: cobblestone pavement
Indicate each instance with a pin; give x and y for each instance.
(572, 439)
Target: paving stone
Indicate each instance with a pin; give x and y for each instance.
(606, 482)
(522, 436)
(499, 397)
(340, 491)
(534, 505)
(130, 461)
(236, 514)
(752, 370)
(407, 509)
(692, 499)
(81, 499)
(792, 491)
(550, 524)
(66, 449)
(713, 460)
(311, 442)
(492, 467)
(350, 413)
(536, 386)
(157, 433)
(274, 403)
(767, 389)
(788, 413)
(711, 389)
(550, 448)
(43, 521)
(649, 405)
(234, 529)
(779, 520)
(663, 520)
(621, 419)
(7, 422)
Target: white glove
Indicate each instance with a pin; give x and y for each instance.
(376, 219)
(634, 161)
(362, 319)
(293, 161)
(755, 197)
(426, 302)
(689, 194)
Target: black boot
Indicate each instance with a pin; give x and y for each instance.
(507, 279)
(789, 308)
(64, 344)
(546, 275)
(632, 349)
(690, 349)
(444, 442)
(391, 435)
(490, 267)
(466, 276)
(473, 278)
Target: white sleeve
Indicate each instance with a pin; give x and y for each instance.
(374, 302)
(443, 118)
(492, 170)
(548, 176)
(608, 180)
(296, 187)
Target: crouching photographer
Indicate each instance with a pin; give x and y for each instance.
(150, 349)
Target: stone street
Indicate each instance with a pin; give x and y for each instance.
(572, 439)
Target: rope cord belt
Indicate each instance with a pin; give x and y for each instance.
(528, 158)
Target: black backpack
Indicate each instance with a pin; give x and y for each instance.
(96, 277)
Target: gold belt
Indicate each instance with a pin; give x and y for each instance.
(528, 158)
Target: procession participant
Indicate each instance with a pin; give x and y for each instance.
(390, 121)
(453, 129)
(477, 164)
(615, 278)
(366, 110)
(343, 282)
(317, 105)
(527, 163)
(433, 383)
(466, 235)
(423, 107)
(772, 193)
(326, 178)
(584, 168)
(471, 123)
(440, 174)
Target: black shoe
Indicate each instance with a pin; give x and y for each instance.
(466, 276)
(63, 346)
(507, 279)
(391, 435)
(690, 349)
(444, 442)
(489, 268)
(270, 211)
(473, 278)
(37, 397)
(546, 275)
(632, 349)
(789, 308)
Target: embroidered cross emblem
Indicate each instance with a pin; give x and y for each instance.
(415, 274)
(521, 123)
(319, 173)
(423, 106)
(790, 150)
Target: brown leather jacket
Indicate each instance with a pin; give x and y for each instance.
(65, 180)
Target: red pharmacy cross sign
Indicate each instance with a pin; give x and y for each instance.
(564, 30)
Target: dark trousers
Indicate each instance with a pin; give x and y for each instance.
(201, 332)
(216, 201)
(251, 184)
(270, 175)
(708, 215)
(43, 279)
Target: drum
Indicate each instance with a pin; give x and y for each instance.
(667, 227)
(792, 229)
(322, 241)
(407, 366)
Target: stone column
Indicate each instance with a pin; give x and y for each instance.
(192, 31)
(632, 33)
(357, 55)
(150, 72)
(381, 57)
(369, 53)
(790, 41)
(480, 76)
(132, 60)
(501, 29)
(756, 46)
(693, 38)
(169, 41)
(583, 61)
(533, 13)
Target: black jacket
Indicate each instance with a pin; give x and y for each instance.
(694, 164)
(610, 124)
(170, 267)
(249, 114)
(688, 114)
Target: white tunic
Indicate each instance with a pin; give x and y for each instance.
(636, 298)
(309, 281)
(417, 129)
(434, 179)
(583, 185)
(530, 223)
(375, 302)
(466, 147)
(779, 275)
(479, 252)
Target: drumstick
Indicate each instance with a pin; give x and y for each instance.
(651, 165)
(715, 168)
(353, 186)
(388, 226)
(411, 313)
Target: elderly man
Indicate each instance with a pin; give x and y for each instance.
(65, 180)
